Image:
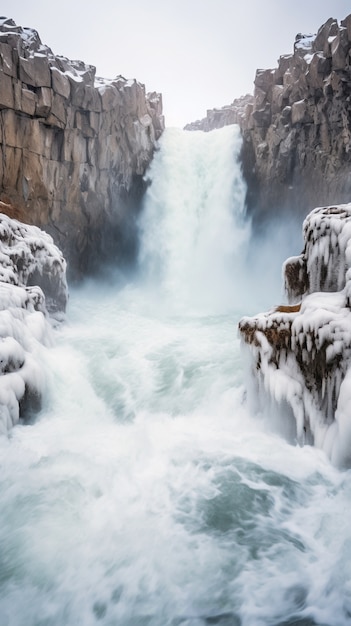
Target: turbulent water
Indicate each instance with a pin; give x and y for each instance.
(145, 494)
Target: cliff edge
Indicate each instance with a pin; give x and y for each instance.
(73, 148)
(297, 127)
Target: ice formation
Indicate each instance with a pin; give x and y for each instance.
(300, 354)
(32, 286)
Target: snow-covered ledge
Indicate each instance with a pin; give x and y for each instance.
(33, 288)
(300, 354)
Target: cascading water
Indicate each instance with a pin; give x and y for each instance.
(193, 228)
(144, 494)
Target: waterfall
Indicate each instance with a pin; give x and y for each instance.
(145, 493)
(193, 231)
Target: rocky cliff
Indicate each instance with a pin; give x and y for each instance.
(33, 291)
(74, 148)
(224, 116)
(297, 134)
(297, 130)
(300, 353)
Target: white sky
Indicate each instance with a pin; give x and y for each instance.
(199, 54)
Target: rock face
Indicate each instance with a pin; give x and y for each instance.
(74, 147)
(297, 128)
(297, 134)
(217, 118)
(29, 258)
(32, 285)
(300, 354)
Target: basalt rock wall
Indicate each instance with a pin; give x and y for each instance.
(73, 148)
(224, 116)
(297, 129)
(297, 133)
(300, 353)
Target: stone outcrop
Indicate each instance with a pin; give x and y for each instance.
(300, 353)
(297, 133)
(74, 147)
(29, 258)
(297, 128)
(217, 118)
(33, 293)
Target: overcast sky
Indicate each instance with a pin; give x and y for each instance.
(199, 54)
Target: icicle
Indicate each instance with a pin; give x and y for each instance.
(309, 369)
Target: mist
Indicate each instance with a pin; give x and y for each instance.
(146, 491)
(279, 238)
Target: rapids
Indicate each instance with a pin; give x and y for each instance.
(144, 493)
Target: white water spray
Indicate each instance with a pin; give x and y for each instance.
(144, 494)
(193, 230)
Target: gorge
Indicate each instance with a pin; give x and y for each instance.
(145, 491)
(147, 478)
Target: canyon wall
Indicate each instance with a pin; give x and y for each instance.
(73, 148)
(297, 129)
(224, 116)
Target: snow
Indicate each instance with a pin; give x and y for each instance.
(305, 42)
(27, 255)
(302, 356)
(76, 76)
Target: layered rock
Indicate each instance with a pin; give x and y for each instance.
(32, 286)
(74, 147)
(300, 354)
(224, 116)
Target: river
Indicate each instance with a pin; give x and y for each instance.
(145, 493)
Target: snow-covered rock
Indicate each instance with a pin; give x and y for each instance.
(300, 353)
(29, 257)
(32, 286)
